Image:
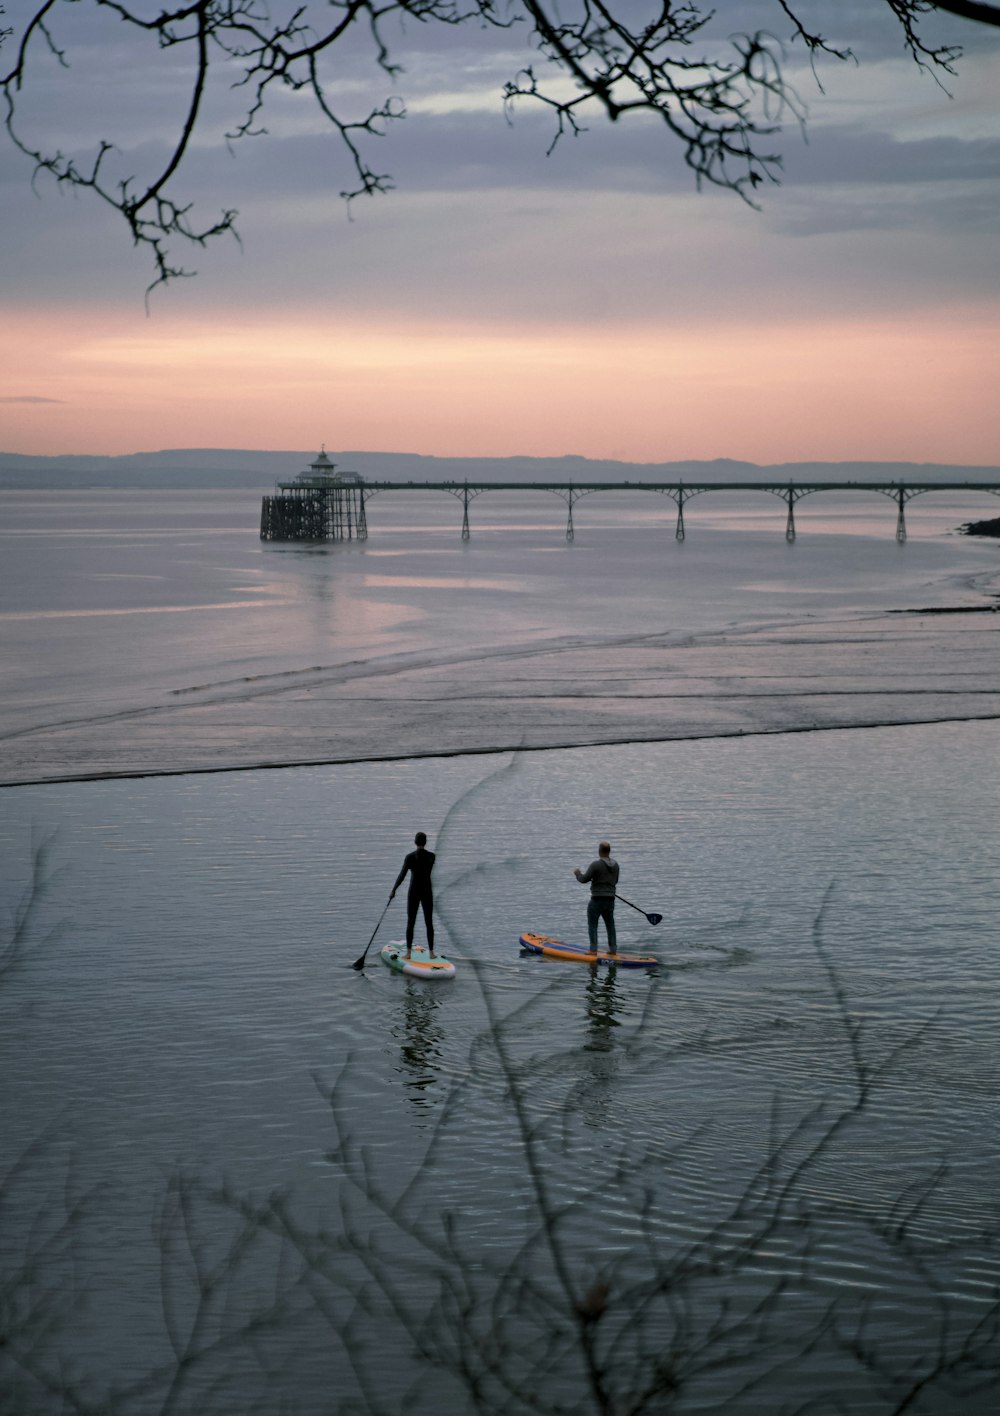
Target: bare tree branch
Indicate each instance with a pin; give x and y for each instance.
(971, 10)
(722, 97)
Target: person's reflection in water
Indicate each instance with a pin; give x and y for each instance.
(420, 1041)
(599, 1051)
(603, 1003)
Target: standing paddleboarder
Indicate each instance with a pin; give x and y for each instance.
(602, 875)
(420, 895)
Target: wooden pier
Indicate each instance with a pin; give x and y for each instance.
(325, 504)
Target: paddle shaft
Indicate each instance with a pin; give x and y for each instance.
(360, 963)
(653, 918)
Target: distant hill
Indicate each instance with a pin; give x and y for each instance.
(221, 468)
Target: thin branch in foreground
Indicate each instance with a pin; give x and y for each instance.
(721, 98)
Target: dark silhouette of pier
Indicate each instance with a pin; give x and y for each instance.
(325, 504)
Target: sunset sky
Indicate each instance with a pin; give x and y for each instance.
(503, 302)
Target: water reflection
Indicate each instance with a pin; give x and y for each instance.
(600, 1054)
(421, 1040)
(603, 1004)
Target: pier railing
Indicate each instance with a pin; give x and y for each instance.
(334, 509)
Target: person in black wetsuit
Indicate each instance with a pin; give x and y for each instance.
(420, 895)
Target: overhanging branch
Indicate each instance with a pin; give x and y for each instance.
(722, 97)
(971, 10)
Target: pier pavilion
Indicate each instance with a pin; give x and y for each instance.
(324, 504)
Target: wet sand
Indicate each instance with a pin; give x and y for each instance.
(858, 671)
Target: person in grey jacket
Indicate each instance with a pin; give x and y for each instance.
(602, 875)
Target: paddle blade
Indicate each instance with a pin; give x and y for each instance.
(654, 918)
(359, 963)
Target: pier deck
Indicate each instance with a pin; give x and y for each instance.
(325, 508)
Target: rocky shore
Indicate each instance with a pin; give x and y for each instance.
(981, 528)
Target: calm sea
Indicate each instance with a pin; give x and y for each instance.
(242, 1176)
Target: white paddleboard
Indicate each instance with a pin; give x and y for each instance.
(420, 964)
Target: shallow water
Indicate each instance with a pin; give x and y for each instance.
(154, 632)
(182, 1004)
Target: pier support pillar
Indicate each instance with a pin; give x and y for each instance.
(466, 533)
(570, 496)
(679, 495)
(901, 516)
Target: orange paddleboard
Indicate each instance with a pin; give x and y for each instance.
(551, 948)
